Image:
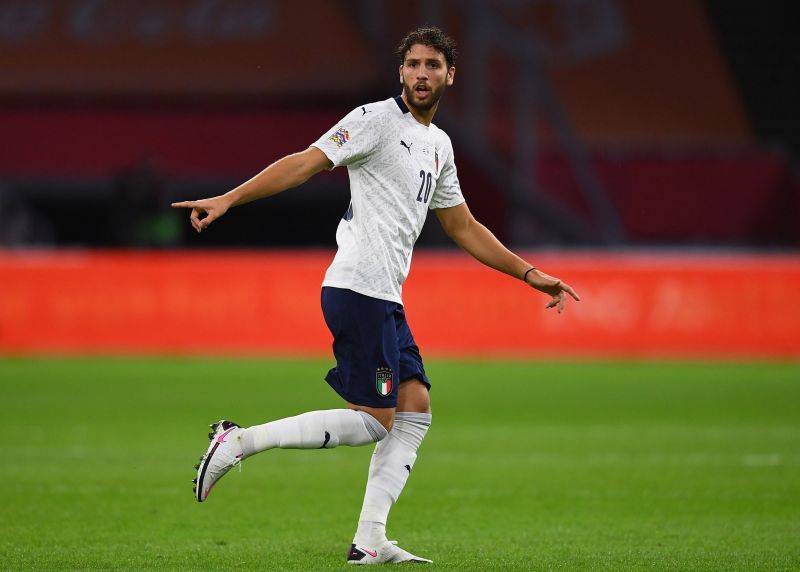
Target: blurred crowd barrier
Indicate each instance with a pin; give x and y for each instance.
(716, 196)
(740, 306)
(176, 48)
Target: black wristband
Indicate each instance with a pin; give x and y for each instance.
(525, 276)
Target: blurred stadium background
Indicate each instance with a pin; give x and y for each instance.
(645, 151)
(603, 128)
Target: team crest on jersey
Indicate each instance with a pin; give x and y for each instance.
(384, 381)
(340, 137)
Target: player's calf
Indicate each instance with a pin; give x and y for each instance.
(314, 430)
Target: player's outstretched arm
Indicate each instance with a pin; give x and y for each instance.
(291, 171)
(472, 236)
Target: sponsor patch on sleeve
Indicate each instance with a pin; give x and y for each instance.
(339, 137)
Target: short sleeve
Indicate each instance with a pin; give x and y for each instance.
(448, 190)
(353, 139)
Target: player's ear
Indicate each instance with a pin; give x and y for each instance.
(400, 72)
(451, 74)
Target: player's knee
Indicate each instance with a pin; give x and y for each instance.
(381, 416)
(375, 429)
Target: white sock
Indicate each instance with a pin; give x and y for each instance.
(314, 430)
(388, 471)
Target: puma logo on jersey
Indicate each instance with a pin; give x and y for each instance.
(364, 111)
(406, 145)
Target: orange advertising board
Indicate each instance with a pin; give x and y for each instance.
(267, 303)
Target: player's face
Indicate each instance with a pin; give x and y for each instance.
(424, 75)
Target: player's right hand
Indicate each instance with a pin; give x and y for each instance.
(204, 211)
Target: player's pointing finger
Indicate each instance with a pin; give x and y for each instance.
(184, 205)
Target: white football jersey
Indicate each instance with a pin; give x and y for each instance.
(398, 170)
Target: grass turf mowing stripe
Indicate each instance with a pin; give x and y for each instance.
(528, 466)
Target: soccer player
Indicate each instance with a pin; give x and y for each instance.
(400, 166)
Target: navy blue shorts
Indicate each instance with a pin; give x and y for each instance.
(373, 347)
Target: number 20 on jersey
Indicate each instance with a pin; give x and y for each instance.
(424, 186)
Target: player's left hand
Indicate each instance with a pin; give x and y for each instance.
(556, 288)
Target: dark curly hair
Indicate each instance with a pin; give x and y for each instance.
(430, 36)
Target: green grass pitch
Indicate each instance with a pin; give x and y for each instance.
(528, 466)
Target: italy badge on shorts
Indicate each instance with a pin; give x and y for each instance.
(383, 381)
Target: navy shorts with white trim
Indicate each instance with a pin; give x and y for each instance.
(373, 346)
